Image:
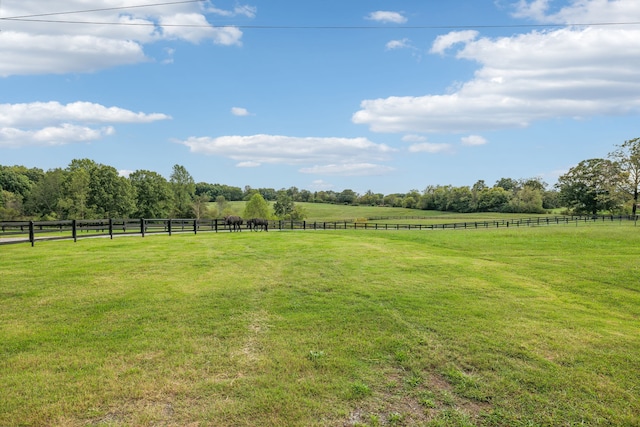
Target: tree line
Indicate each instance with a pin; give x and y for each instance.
(86, 190)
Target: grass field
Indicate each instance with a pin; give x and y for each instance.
(526, 327)
(333, 212)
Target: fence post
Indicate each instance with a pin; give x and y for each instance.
(111, 228)
(142, 226)
(169, 226)
(74, 230)
(32, 234)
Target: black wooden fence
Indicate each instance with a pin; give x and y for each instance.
(30, 231)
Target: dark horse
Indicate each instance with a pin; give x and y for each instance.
(234, 221)
(254, 223)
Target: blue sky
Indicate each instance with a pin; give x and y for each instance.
(375, 95)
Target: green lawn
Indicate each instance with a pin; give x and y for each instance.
(322, 212)
(501, 327)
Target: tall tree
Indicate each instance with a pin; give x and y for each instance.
(184, 188)
(284, 204)
(10, 205)
(75, 194)
(508, 184)
(153, 194)
(256, 207)
(347, 196)
(46, 194)
(14, 180)
(110, 195)
(200, 207)
(627, 157)
(591, 186)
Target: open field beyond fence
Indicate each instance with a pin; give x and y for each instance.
(514, 327)
(31, 231)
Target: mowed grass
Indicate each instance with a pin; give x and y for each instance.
(502, 327)
(337, 212)
(326, 212)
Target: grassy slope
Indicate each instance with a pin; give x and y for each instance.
(329, 212)
(494, 327)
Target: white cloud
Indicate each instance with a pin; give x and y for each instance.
(431, 148)
(38, 113)
(51, 135)
(442, 43)
(473, 140)
(125, 172)
(240, 112)
(248, 164)
(540, 75)
(348, 169)
(51, 123)
(238, 10)
(579, 11)
(387, 17)
(414, 138)
(399, 44)
(340, 154)
(28, 48)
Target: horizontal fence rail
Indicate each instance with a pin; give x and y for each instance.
(31, 231)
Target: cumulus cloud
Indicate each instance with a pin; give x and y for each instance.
(579, 11)
(431, 148)
(568, 72)
(473, 140)
(334, 155)
(385, 16)
(248, 164)
(399, 44)
(444, 42)
(52, 123)
(414, 138)
(27, 48)
(240, 112)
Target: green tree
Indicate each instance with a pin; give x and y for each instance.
(508, 184)
(527, 199)
(493, 199)
(221, 204)
(591, 186)
(627, 157)
(75, 194)
(393, 200)
(256, 207)
(284, 205)
(183, 188)
(110, 195)
(14, 180)
(461, 200)
(298, 213)
(347, 196)
(153, 194)
(551, 199)
(200, 207)
(10, 205)
(46, 194)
